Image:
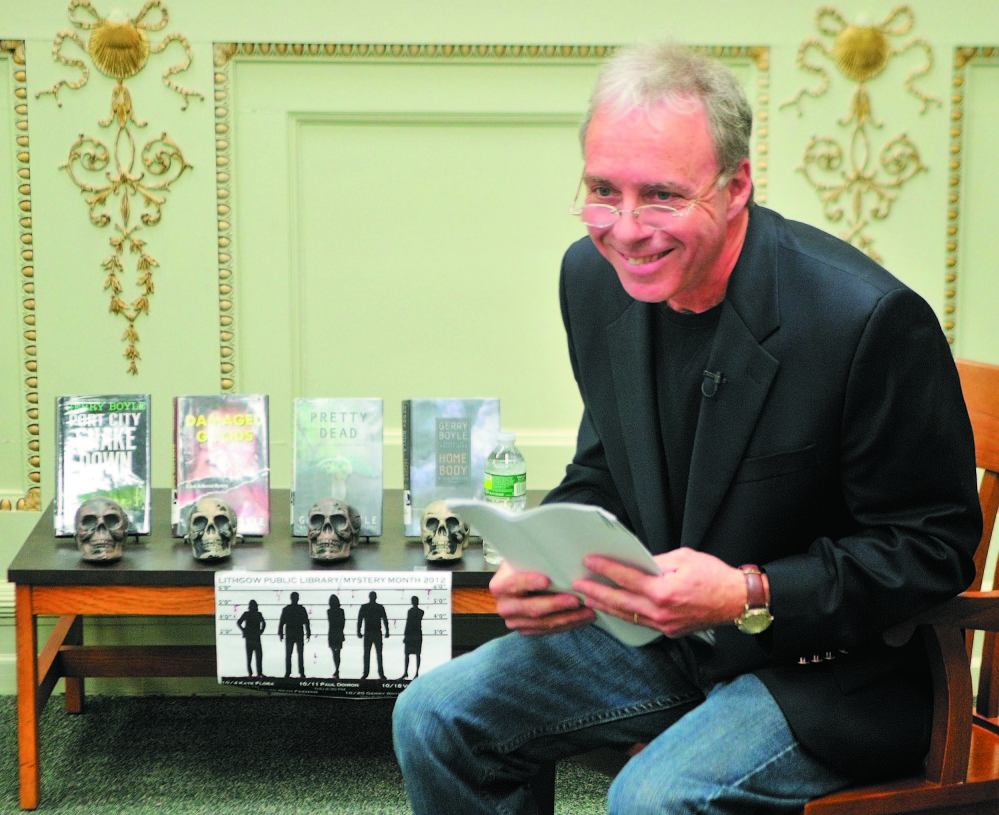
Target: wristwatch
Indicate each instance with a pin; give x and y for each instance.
(757, 616)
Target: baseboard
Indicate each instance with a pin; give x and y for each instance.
(6, 601)
(8, 675)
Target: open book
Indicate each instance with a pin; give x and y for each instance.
(553, 540)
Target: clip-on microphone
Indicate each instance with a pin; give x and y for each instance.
(712, 381)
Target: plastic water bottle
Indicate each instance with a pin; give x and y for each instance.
(505, 483)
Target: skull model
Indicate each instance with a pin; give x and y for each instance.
(333, 529)
(445, 535)
(101, 529)
(212, 529)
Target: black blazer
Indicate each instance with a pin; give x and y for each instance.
(837, 453)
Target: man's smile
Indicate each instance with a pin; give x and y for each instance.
(641, 261)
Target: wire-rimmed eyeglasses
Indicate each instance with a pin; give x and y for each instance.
(653, 216)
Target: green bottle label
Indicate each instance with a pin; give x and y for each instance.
(504, 486)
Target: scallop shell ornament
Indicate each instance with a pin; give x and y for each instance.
(119, 49)
(861, 52)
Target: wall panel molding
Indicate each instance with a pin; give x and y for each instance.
(223, 191)
(969, 293)
(961, 58)
(24, 496)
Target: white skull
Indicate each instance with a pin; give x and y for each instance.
(211, 529)
(445, 535)
(333, 529)
(101, 529)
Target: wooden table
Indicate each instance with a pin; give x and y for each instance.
(159, 576)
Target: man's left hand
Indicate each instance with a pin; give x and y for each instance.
(696, 592)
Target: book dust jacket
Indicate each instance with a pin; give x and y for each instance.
(445, 443)
(338, 454)
(102, 449)
(221, 449)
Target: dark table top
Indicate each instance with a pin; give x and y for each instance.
(159, 559)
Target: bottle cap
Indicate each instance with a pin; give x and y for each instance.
(506, 437)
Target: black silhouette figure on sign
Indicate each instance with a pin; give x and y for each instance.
(371, 618)
(412, 636)
(294, 629)
(252, 624)
(335, 637)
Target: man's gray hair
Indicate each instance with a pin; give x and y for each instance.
(644, 75)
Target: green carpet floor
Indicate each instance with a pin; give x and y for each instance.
(218, 755)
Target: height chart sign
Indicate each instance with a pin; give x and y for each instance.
(351, 635)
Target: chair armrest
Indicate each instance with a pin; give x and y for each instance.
(974, 610)
(977, 610)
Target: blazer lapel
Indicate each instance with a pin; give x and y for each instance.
(632, 371)
(727, 419)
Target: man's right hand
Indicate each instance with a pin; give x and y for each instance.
(526, 605)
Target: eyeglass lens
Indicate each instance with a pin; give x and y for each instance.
(653, 216)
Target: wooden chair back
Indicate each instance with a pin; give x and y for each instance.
(980, 384)
(961, 775)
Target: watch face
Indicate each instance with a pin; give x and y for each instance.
(754, 620)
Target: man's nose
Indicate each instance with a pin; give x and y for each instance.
(628, 228)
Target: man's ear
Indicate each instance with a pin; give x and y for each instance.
(740, 188)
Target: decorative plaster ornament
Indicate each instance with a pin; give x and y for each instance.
(860, 181)
(119, 48)
(101, 529)
(334, 526)
(861, 51)
(137, 179)
(444, 534)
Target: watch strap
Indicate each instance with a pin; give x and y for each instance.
(756, 593)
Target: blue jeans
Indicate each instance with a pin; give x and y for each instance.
(470, 734)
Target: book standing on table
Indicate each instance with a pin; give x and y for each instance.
(444, 447)
(103, 449)
(338, 454)
(221, 449)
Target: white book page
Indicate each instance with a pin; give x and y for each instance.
(553, 540)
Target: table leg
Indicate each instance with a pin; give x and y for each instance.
(74, 695)
(74, 685)
(28, 709)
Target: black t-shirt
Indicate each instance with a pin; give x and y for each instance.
(681, 357)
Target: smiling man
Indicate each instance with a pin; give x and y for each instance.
(780, 422)
(638, 164)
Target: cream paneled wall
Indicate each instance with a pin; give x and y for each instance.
(375, 213)
(417, 216)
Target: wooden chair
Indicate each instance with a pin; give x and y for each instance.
(962, 768)
(961, 773)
